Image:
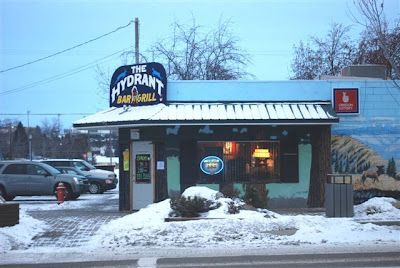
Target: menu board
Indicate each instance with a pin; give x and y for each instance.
(143, 168)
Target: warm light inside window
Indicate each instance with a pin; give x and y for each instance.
(228, 147)
(261, 153)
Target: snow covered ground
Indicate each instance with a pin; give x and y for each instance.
(247, 228)
(20, 234)
(218, 229)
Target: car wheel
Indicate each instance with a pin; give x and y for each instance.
(9, 197)
(4, 194)
(94, 188)
(75, 196)
(68, 192)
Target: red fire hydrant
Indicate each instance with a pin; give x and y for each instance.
(60, 193)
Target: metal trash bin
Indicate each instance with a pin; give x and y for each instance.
(339, 196)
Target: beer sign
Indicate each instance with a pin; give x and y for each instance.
(211, 165)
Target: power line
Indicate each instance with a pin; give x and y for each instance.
(68, 49)
(60, 76)
(58, 114)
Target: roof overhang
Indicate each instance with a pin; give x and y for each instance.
(260, 113)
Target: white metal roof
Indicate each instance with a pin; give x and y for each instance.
(214, 113)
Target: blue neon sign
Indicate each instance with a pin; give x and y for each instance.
(211, 165)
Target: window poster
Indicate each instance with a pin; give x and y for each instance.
(125, 156)
(143, 168)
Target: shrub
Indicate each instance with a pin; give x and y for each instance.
(190, 207)
(230, 192)
(234, 207)
(256, 195)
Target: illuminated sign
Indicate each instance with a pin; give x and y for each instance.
(139, 84)
(346, 100)
(211, 165)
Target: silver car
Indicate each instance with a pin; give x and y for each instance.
(27, 178)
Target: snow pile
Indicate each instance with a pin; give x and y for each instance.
(224, 206)
(377, 208)
(203, 192)
(318, 229)
(21, 234)
(101, 159)
(246, 228)
(133, 229)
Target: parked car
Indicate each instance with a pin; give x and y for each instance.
(27, 178)
(89, 171)
(97, 185)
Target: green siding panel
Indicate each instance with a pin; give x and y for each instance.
(212, 186)
(295, 190)
(173, 175)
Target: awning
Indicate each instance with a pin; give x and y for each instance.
(265, 113)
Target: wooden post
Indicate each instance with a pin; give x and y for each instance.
(320, 164)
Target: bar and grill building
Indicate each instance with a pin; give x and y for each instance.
(220, 134)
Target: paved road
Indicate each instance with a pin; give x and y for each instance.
(384, 259)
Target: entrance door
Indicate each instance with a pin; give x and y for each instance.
(142, 174)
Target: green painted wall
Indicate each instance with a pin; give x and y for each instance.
(295, 190)
(173, 174)
(239, 188)
(210, 185)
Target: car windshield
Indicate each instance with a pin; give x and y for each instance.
(52, 170)
(88, 165)
(82, 165)
(71, 171)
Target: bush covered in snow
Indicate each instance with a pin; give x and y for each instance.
(190, 206)
(198, 199)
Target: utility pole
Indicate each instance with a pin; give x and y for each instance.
(136, 40)
(29, 137)
(10, 127)
(110, 145)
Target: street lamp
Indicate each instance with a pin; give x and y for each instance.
(30, 147)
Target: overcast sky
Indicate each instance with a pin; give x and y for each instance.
(67, 83)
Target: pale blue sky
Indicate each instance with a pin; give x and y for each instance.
(33, 29)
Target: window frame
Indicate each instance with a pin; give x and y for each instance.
(218, 178)
(21, 166)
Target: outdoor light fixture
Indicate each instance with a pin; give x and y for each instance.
(261, 153)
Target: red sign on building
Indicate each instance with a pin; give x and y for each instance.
(345, 100)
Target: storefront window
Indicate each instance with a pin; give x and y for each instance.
(244, 161)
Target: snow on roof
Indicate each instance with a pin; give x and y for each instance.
(214, 113)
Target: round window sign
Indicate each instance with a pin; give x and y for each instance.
(211, 165)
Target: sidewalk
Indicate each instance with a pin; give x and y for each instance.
(71, 228)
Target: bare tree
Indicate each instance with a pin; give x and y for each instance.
(325, 56)
(370, 52)
(189, 54)
(377, 27)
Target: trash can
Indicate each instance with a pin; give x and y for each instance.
(339, 196)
